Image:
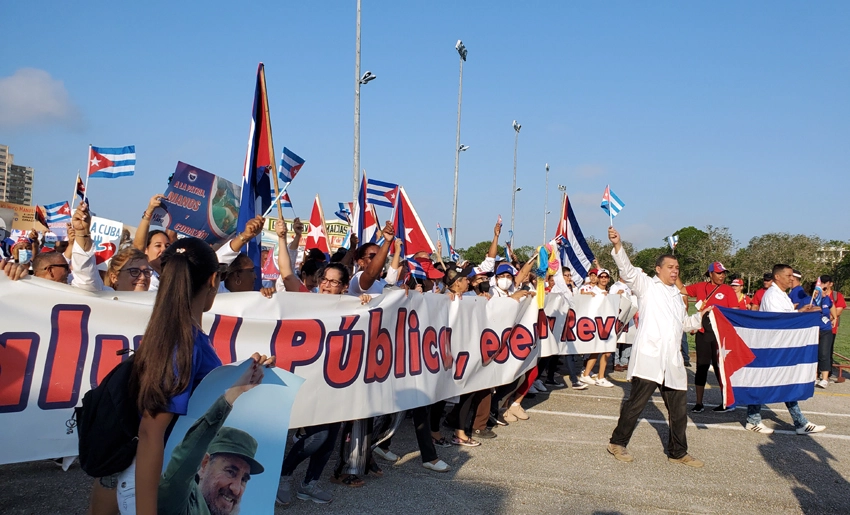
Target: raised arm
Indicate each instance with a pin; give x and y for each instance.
(298, 229)
(287, 275)
(376, 265)
(140, 240)
(494, 245)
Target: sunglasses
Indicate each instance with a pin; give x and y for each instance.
(136, 272)
(65, 266)
(604, 277)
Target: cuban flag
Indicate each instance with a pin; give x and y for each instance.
(112, 162)
(317, 237)
(409, 228)
(611, 203)
(358, 212)
(784, 347)
(290, 165)
(416, 270)
(574, 250)
(285, 201)
(446, 234)
(257, 174)
(381, 193)
(673, 241)
(80, 190)
(344, 212)
(56, 218)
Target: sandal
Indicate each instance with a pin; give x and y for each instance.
(442, 442)
(348, 480)
(469, 442)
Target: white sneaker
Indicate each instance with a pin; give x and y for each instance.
(539, 385)
(822, 383)
(440, 466)
(809, 429)
(759, 428)
(587, 380)
(387, 455)
(604, 383)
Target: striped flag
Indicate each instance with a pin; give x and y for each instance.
(574, 250)
(446, 234)
(81, 190)
(285, 201)
(785, 351)
(112, 162)
(673, 241)
(290, 165)
(381, 193)
(258, 172)
(416, 270)
(611, 203)
(344, 212)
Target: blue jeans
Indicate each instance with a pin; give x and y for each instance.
(754, 414)
(622, 355)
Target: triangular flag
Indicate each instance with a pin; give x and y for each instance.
(317, 238)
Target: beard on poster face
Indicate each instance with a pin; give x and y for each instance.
(223, 481)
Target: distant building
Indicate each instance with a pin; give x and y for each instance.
(15, 180)
(830, 254)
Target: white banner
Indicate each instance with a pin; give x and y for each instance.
(393, 354)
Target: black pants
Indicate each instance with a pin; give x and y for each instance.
(707, 350)
(674, 400)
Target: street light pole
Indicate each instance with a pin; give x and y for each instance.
(546, 204)
(517, 127)
(357, 83)
(461, 50)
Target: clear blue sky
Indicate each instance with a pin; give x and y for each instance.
(731, 114)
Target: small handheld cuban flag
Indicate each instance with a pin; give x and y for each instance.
(673, 241)
(344, 212)
(381, 193)
(112, 162)
(611, 203)
(416, 270)
(285, 201)
(290, 165)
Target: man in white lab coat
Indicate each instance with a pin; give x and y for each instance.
(655, 361)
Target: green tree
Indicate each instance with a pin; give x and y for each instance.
(797, 250)
(645, 258)
(476, 253)
(697, 249)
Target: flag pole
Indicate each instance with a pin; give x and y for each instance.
(86, 187)
(610, 212)
(272, 167)
(279, 195)
(74, 196)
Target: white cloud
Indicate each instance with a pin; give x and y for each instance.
(31, 97)
(589, 171)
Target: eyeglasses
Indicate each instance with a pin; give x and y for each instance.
(332, 282)
(135, 272)
(65, 266)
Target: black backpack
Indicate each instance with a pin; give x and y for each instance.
(108, 424)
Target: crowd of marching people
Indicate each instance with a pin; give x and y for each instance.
(187, 274)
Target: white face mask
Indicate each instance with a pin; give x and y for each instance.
(504, 283)
(24, 256)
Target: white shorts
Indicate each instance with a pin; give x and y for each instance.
(126, 490)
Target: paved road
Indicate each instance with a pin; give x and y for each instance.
(556, 463)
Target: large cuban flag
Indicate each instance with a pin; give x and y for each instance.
(785, 346)
(574, 250)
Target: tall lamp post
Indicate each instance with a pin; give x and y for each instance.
(359, 80)
(546, 204)
(461, 50)
(517, 127)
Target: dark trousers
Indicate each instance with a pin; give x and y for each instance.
(422, 426)
(826, 342)
(674, 400)
(318, 445)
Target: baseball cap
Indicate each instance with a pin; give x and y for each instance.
(594, 271)
(768, 277)
(505, 268)
(717, 267)
(230, 440)
(737, 282)
(476, 270)
(454, 273)
(603, 271)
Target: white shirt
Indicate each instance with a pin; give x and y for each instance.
(656, 354)
(84, 264)
(377, 287)
(776, 300)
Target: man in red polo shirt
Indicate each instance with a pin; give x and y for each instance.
(714, 292)
(756, 300)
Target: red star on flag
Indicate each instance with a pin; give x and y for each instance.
(98, 162)
(65, 210)
(391, 195)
